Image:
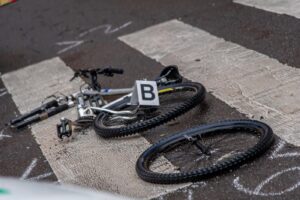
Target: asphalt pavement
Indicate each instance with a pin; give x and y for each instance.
(86, 34)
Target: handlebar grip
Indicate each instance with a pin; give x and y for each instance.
(41, 116)
(27, 121)
(35, 111)
(116, 71)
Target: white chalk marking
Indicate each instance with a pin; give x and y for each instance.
(289, 7)
(2, 135)
(70, 45)
(257, 190)
(240, 187)
(2, 92)
(249, 81)
(199, 184)
(161, 198)
(190, 194)
(87, 160)
(107, 27)
(29, 169)
(73, 44)
(281, 144)
(40, 176)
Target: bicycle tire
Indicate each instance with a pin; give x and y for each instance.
(147, 157)
(129, 129)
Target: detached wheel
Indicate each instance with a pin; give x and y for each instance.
(175, 100)
(205, 151)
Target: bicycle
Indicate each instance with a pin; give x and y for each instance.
(210, 149)
(120, 112)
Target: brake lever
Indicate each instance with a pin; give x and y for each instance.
(110, 71)
(80, 72)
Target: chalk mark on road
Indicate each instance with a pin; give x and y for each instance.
(70, 45)
(29, 169)
(75, 43)
(2, 135)
(107, 27)
(276, 153)
(257, 191)
(3, 91)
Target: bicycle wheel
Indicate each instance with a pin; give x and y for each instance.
(205, 151)
(174, 100)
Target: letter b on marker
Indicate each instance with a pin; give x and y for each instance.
(147, 92)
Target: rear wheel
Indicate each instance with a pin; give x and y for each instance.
(205, 151)
(175, 100)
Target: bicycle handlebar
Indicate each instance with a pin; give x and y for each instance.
(109, 71)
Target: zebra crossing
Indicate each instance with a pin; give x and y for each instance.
(256, 85)
(288, 7)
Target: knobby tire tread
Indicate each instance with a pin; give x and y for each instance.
(265, 141)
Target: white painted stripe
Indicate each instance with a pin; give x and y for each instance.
(255, 84)
(289, 7)
(87, 160)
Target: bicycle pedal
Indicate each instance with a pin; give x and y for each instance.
(64, 128)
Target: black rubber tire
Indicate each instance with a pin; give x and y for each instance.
(144, 161)
(130, 129)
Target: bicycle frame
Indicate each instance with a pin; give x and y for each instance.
(106, 91)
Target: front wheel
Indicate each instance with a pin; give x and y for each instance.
(205, 151)
(175, 100)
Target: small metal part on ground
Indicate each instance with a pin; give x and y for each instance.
(5, 2)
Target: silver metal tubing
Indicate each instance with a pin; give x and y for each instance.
(124, 112)
(106, 92)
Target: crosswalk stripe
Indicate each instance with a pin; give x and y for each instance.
(87, 160)
(251, 82)
(288, 7)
